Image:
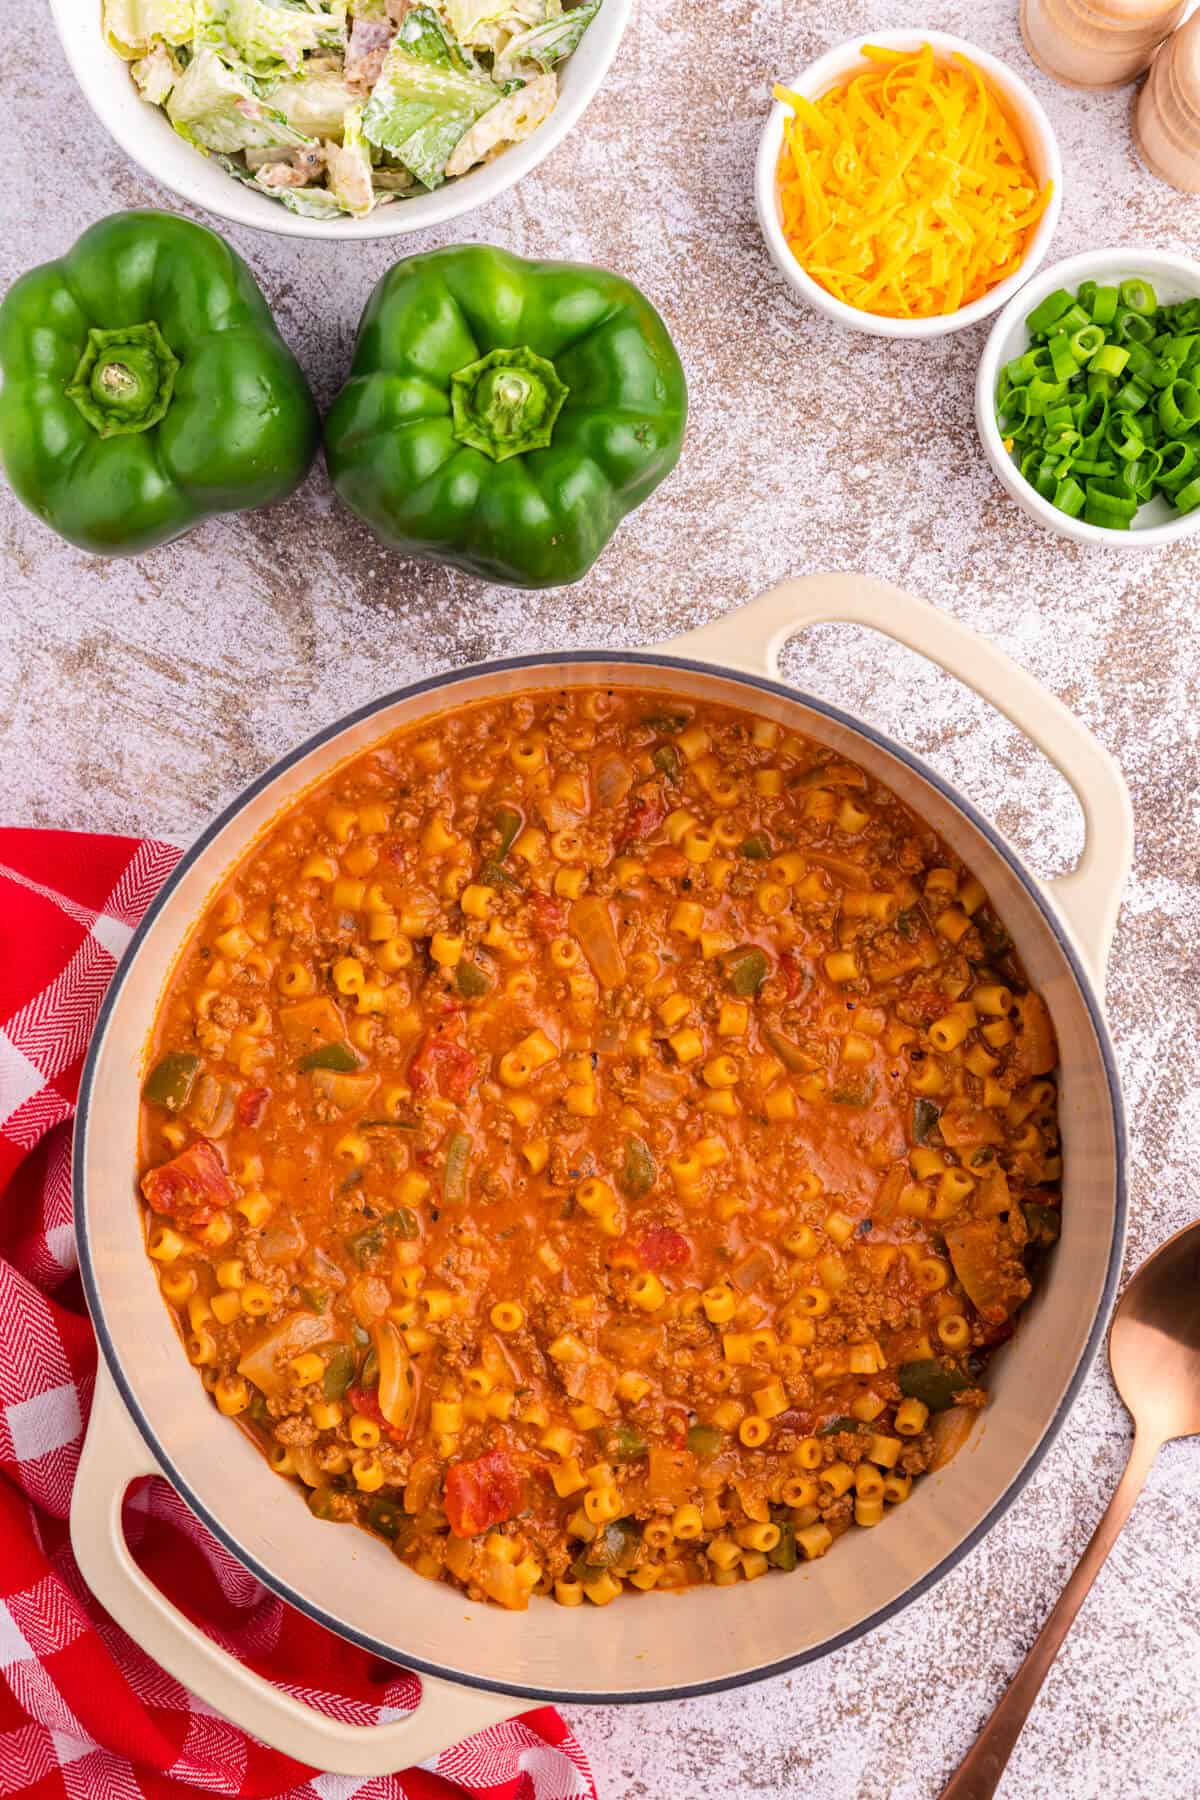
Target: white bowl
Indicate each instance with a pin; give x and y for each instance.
(1173, 278)
(830, 71)
(145, 133)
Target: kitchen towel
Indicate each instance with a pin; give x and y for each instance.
(84, 1713)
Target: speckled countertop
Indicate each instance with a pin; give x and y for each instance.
(141, 697)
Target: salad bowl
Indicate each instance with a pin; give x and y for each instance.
(146, 134)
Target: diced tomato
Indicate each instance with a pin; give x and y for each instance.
(662, 1248)
(666, 864)
(548, 916)
(676, 1427)
(251, 1105)
(794, 973)
(647, 813)
(441, 1064)
(191, 1187)
(365, 1401)
(482, 1493)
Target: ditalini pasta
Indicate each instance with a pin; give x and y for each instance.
(594, 1142)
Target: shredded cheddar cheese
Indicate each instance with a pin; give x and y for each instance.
(907, 191)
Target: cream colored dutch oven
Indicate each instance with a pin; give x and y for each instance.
(481, 1664)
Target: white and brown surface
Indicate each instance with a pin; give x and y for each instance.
(140, 697)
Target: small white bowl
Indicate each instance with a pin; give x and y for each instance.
(1173, 278)
(147, 135)
(835, 67)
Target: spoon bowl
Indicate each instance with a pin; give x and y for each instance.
(1154, 1347)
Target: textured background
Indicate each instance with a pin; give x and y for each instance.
(142, 697)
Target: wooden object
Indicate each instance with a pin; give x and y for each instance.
(1096, 43)
(1166, 122)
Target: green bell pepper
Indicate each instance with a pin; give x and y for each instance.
(504, 416)
(144, 386)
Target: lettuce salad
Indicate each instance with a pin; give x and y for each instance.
(339, 106)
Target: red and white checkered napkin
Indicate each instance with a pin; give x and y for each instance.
(83, 1712)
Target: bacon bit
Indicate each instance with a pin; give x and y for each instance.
(364, 1401)
(794, 973)
(482, 1493)
(645, 815)
(666, 865)
(441, 1064)
(191, 1187)
(251, 1105)
(547, 915)
(662, 1248)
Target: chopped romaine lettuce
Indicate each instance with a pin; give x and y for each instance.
(479, 21)
(314, 103)
(549, 43)
(263, 37)
(422, 105)
(156, 75)
(133, 27)
(348, 167)
(512, 119)
(216, 108)
(310, 203)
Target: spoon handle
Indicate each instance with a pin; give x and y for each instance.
(979, 1773)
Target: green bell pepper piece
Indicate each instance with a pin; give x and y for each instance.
(746, 970)
(639, 1171)
(338, 1057)
(470, 980)
(933, 1382)
(170, 1081)
(504, 416)
(144, 387)
(339, 1371)
(704, 1440)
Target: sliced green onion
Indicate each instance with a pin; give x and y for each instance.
(1179, 462)
(1125, 437)
(1104, 305)
(1069, 497)
(1131, 397)
(1188, 498)
(1179, 408)
(1049, 312)
(1139, 296)
(1066, 364)
(1086, 341)
(1102, 411)
(1132, 328)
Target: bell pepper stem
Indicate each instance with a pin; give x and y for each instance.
(507, 402)
(125, 379)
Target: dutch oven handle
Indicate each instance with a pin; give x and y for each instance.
(114, 1454)
(753, 637)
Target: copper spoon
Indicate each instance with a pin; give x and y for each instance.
(1154, 1351)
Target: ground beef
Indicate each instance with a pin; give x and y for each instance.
(295, 1430)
